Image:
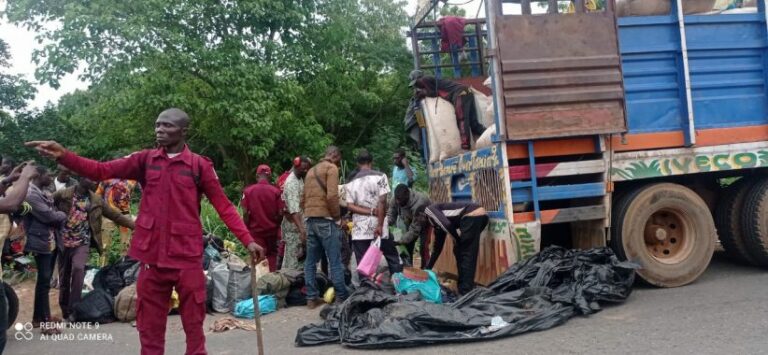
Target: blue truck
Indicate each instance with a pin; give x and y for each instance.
(646, 133)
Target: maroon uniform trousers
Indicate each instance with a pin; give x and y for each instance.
(269, 241)
(154, 289)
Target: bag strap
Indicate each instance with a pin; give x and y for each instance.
(320, 181)
(196, 172)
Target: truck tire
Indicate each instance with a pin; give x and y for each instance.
(668, 230)
(728, 215)
(754, 222)
(13, 304)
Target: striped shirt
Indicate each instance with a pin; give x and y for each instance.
(447, 216)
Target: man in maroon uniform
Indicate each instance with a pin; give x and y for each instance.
(168, 237)
(262, 212)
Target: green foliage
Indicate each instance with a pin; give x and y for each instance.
(212, 224)
(45, 124)
(454, 10)
(14, 90)
(264, 81)
(113, 254)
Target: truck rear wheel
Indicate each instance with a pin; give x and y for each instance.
(668, 230)
(728, 215)
(754, 222)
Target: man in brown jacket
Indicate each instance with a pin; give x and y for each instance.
(81, 230)
(323, 215)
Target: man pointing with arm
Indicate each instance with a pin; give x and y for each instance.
(168, 236)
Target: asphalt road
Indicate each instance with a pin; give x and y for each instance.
(724, 312)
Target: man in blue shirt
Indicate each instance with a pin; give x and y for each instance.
(402, 174)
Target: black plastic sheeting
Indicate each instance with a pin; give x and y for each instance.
(536, 294)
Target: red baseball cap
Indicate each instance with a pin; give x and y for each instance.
(264, 169)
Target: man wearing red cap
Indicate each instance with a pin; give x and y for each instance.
(262, 207)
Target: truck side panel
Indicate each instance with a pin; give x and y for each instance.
(727, 56)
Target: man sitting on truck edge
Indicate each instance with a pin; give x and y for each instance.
(459, 95)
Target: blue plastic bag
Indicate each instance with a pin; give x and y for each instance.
(429, 288)
(244, 308)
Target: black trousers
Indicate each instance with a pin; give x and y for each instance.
(387, 247)
(42, 309)
(465, 250)
(467, 118)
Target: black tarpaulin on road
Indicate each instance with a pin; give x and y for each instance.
(536, 294)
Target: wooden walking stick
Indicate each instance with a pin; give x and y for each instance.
(256, 311)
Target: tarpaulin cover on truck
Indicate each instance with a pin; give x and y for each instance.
(536, 294)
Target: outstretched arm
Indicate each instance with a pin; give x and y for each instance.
(123, 168)
(117, 217)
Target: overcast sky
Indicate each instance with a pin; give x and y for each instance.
(22, 42)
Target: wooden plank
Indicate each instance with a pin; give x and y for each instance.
(553, 148)
(523, 172)
(560, 192)
(562, 96)
(562, 63)
(563, 215)
(554, 80)
(704, 138)
(588, 234)
(525, 6)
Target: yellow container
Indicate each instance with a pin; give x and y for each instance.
(329, 295)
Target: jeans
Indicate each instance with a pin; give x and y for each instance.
(42, 308)
(346, 255)
(324, 239)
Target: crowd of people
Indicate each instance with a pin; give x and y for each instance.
(304, 219)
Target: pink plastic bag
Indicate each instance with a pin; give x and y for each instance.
(370, 262)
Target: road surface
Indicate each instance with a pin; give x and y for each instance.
(725, 311)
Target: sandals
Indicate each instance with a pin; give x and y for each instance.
(50, 331)
(49, 327)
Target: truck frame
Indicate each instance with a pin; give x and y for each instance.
(648, 134)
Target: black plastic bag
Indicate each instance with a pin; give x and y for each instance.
(539, 293)
(96, 306)
(113, 278)
(297, 294)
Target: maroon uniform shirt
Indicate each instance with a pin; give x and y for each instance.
(168, 230)
(264, 206)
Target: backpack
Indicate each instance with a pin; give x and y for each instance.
(125, 304)
(96, 306)
(297, 293)
(274, 283)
